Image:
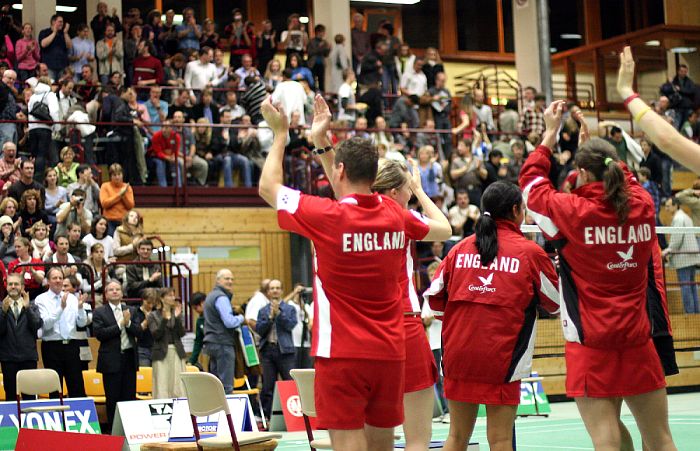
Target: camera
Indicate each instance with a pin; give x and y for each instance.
(307, 295)
(80, 199)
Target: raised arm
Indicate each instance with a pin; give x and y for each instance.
(440, 228)
(319, 134)
(272, 176)
(660, 132)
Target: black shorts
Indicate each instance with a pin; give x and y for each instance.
(667, 355)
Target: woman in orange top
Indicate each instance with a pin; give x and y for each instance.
(116, 198)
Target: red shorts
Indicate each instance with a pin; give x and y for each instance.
(482, 392)
(350, 393)
(421, 371)
(611, 373)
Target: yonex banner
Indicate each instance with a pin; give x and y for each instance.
(250, 352)
(80, 417)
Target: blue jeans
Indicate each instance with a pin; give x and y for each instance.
(232, 161)
(8, 132)
(689, 292)
(161, 174)
(222, 363)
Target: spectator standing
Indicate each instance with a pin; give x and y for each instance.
(193, 163)
(441, 105)
(691, 198)
(116, 197)
(360, 40)
(55, 44)
(200, 74)
(253, 97)
(371, 67)
(61, 313)
(414, 82)
(153, 30)
(148, 71)
(319, 49)
(685, 88)
(484, 113)
(339, 62)
(432, 65)
(294, 39)
(266, 44)
(430, 171)
(346, 98)
(434, 327)
(652, 160)
(255, 303)
(209, 38)
(275, 323)
(239, 40)
(683, 251)
(40, 133)
(145, 342)
(532, 119)
(468, 172)
(110, 54)
(27, 52)
(405, 110)
(117, 358)
(101, 20)
(83, 50)
(143, 276)
(8, 108)
(20, 321)
(168, 35)
(220, 324)
(197, 305)
(168, 354)
(301, 334)
(291, 95)
(189, 32)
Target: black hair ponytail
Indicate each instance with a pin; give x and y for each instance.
(496, 203)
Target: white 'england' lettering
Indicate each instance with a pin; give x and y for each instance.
(473, 261)
(369, 242)
(617, 235)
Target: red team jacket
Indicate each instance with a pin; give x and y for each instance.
(604, 265)
(360, 254)
(488, 328)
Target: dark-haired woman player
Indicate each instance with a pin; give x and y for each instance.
(487, 289)
(604, 231)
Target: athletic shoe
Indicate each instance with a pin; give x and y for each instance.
(446, 418)
(438, 419)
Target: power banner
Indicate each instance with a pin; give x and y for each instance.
(80, 417)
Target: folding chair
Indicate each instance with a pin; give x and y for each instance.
(241, 386)
(94, 386)
(144, 383)
(304, 379)
(35, 382)
(205, 396)
(191, 369)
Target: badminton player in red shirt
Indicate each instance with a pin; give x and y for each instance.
(359, 243)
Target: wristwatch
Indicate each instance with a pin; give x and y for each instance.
(318, 151)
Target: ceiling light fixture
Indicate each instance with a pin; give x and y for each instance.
(59, 8)
(389, 2)
(653, 43)
(570, 36)
(684, 49)
(304, 19)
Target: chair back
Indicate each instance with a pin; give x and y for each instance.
(239, 383)
(94, 385)
(35, 382)
(304, 379)
(205, 394)
(144, 380)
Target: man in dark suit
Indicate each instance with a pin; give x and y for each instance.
(117, 358)
(139, 277)
(19, 323)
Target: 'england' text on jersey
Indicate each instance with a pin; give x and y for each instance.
(617, 235)
(505, 264)
(368, 242)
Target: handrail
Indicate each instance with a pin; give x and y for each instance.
(47, 265)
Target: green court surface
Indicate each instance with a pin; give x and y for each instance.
(563, 429)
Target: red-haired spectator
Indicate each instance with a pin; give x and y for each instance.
(27, 51)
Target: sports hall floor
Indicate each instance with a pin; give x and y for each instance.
(564, 430)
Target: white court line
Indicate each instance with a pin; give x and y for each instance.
(551, 446)
(518, 432)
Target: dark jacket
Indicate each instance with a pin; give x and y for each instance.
(284, 322)
(19, 338)
(197, 112)
(164, 332)
(107, 331)
(135, 282)
(145, 339)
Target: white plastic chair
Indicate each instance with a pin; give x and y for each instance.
(37, 382)
(205, 396)
(304, 379)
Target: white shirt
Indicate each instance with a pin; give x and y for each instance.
(119, 315)
(107, 242)
(198, 75)
(345, 92)
(256, 303)
(299, 328)
(59, 324)
(292, 96)
(415, 83)
(435, 329)
(243, 73)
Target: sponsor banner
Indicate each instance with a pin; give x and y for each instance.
(213, 425)
(250, 353)
(291, 406)
(151, 421)
(81, 417)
